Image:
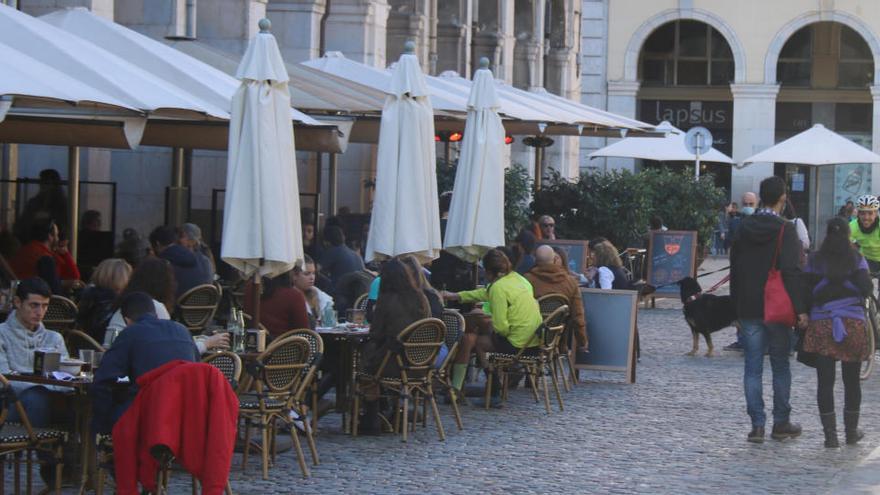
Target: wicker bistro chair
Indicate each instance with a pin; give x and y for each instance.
(316, 345)
(61, 314)
(196, 307)
(16, 438)
(455, 323)
(279, 376)
(537, 362)
(77, 340)
(228, 363)
(548, 303)
(361, 301)
(419, 344)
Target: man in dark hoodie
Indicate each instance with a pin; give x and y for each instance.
(190, 268)
(751, 254)
(548, 277)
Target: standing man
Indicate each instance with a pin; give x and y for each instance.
(548, 227)
(752, 253)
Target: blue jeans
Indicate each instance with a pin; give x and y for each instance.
(37, 402)
(757, 336)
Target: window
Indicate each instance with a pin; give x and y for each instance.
(686, 53)
(824, 48)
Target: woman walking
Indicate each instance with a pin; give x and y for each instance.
(840, 281)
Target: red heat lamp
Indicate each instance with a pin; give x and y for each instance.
(508, 139)
(455, 137)
(437, 138)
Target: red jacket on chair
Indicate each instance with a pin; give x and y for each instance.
(191, 409)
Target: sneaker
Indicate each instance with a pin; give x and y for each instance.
(785, 430)
(300, 422)
(756, 435)
(736, 346)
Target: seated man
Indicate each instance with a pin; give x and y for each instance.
(549, 277)
(38, 258)
(190, 268)
(146, 343)
(20, 335)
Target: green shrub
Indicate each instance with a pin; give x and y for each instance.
(618, 205)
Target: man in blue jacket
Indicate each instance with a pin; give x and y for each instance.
(190, 268)
(145, 344)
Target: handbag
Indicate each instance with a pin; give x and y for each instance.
(778, 308)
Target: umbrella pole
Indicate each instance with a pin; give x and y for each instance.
(255, 318)
(73, 198)
(816, 199)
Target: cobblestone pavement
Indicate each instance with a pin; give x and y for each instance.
(680, 429)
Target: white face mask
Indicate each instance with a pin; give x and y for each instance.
(747, 210)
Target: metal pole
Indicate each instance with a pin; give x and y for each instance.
(73, 198)
(175, 217)
(332, 185)
(539, 169)
(319, 179)
(699, 145)
(816, 206)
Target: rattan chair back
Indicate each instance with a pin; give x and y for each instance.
(361, 301)
(421, 342)
(548, 303)
(196, 307)
(554, 326)
(61, 314)
(316, 343)
(282, 366)
(455, 324)
(228, 363)
(77, 340)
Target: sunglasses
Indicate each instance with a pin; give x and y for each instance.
(548, 225)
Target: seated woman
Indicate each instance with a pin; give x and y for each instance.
(282, 307)
(418, 273)
(515, 316)
(98, 299)
(317, 301)
(609, 272)
(399, 304)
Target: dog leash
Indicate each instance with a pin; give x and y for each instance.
(719, 284)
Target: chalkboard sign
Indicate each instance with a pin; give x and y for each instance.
(611, 323)
(576, 251)
(671, 257)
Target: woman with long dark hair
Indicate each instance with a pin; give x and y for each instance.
(282, 306)
(840, 281)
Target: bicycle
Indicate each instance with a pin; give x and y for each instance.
(872, 326)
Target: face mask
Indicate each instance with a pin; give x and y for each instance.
(747, 210)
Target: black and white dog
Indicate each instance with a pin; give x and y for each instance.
(704, 313)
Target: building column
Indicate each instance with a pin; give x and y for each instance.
(454, 19)
(754, 130)
(622, 101)
(357, 28)
(296, 25)
(494, 38)
(562, 79)
(103, 8)
(406, 23)
(875, 136)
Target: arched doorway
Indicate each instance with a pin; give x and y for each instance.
(685, 68)
(825, 70)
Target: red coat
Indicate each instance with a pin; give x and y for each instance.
(188, 407)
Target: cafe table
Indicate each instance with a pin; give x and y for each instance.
(350, 339)
(83, 408)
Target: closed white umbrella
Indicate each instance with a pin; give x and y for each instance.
(666, 148)
(406, 216)
(476, 215)
(262, 234)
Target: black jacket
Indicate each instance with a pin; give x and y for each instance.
(190, 269)
(750, 256)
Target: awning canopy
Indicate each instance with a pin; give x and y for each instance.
(670, 147)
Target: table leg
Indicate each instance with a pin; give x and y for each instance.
(88, 450)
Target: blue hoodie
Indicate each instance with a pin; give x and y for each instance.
(190, 269)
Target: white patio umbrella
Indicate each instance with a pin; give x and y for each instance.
(406, 216)
(817, 146)
(476, 215)
(667, 148)
(262, 234)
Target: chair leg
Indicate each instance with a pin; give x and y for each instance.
(314, 448)
(455, 411)
(16, 471)
(59, 467)
(572, 371)
(355, 413)
(425, 412)
(430, 397)
(546, 391)
(534, 383)
(264, 446)
(405, 428)
(195, 485)
(488, 397)
(300, 456)
(247, 445)
(558, 394)
(314, 406)
(228, 489)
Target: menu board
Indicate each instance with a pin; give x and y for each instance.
(576, 251)
(671, 257)
(611, 322)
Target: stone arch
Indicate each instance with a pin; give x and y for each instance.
(804, 20)
(634, 48)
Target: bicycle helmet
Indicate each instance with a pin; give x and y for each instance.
(867, 202)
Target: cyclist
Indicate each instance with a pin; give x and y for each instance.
(864, 230)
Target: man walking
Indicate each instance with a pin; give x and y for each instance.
(751, 255)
